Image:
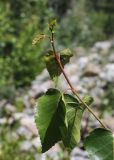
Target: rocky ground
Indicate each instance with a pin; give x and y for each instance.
(90, 73)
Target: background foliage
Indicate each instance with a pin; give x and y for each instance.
(80, 22)
(87, 21)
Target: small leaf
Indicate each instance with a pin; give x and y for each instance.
(38, 38)
(49, 118)
(52, 23)
(65, 56)
(88, 99)
(100, 144)
(52, 65)
(73, 116)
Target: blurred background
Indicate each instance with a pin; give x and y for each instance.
(84, 26)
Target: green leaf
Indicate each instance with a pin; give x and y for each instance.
(65, 56)
(73, 115)
(88, 99)
(100, 144)
(52, 65)
(52, 23)
(49, 118)
(38, 38)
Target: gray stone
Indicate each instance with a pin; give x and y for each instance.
(53, 152)
(29, 123)
(88, 82)
(91, 70)
(100, 83)
(36, 142)
(109, 121)
(78, 158)
(80, 51)
(104, 46)
(25, 146)
(11, 121)
(29, 112)
(74, 79)
(14, 135)
(2, 103)
(97, 92)
(79, 154)
(26, 100)
(10, 109)
(108, 73)
(37, 157)
(95, 58)
(3, 121)
(17, 116)
(39, 88)
(111, 58)
(76, 152)
(42, 77)
(71, 69)
(22, 131)
(82, 62)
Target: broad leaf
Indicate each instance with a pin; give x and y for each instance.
(73, 115)
(74, 112)
(51, 64)
(100, 144)
(49, 117)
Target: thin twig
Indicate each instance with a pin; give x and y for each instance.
(57, 57)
